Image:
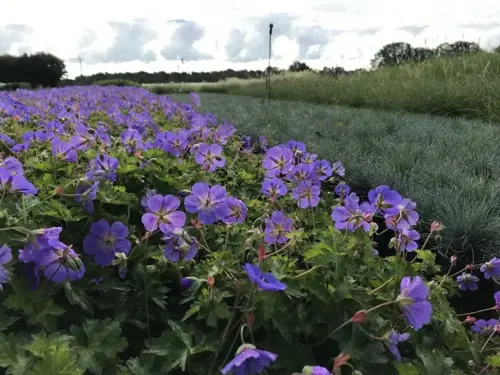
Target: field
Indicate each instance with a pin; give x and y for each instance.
(450, 167)
(467, 86)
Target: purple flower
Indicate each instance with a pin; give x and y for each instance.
(407, 240)
(496, 296)
(383, 198)
(308, 158)
(14, 166)
(104, 241)
(208, 202)
(162, 214)
(237, 211)
(186, 282)
(274, 188)
(315, 370)
(8, 140)
(392, 339)
(209, 157)
(338, 168)
(276, 228)
(145, 199)
(402, 216)
(413, 301)
(176, 143)
(249, 361)
(131, 140)
(223, 133)
(103, 167)
(278, 160)
(15, 183)
(5, 257)
(491, 268)
(195, 99)
(59, 262)
(246, 143)
(306, 194)
(87, 194)
(342, 190)
(298, 148)
(177, 248)
(323, 170)
(482, 326)
(302, 172)
(466, 281)
(353, 215)
(263, 281)
(63, 150)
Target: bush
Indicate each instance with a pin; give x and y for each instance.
(117, 82)
(137, 246)
(14, 86)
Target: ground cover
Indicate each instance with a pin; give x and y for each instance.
(461, 86)
(139, 236)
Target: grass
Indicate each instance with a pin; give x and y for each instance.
(464, 86)
(449, 166)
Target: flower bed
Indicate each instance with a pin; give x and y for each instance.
(142, 237)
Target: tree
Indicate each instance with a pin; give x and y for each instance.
(298, 66)
(392, 54)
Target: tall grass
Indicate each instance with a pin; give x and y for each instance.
(449, 166)
(462, 86)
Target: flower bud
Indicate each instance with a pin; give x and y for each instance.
(211, 281)
(196, 223)
(469, 320)
(453, 259)
(468, 267)
(360, 317)
(59, 190)
(250, 318)
(436, 227)
(262, 251)
(72, 264)
(341, 360)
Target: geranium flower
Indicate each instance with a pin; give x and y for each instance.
(338, 169)
(392, 339)
(59, 262)
(278, 161)
(315, 370)
(306, 194)
(402, 214)
(14, 166)
(482, 326)
(208, 202)
(176, 143)
(352, 215)
(323, 169)
(308, 158)
(145, 199)
(302, 172)
(276, 228)
(342, 190)
(63, 150)
(249, 361)
(263, 281)
(87, 194)
(162, 214)
(15, 183)
(407, 240)
(5, 257)
(103, 167)
(466, 281)
(237, 211)
(210, 157)
(105, 240)
(413, 301)
(298, 148)
(491, 268)
(131, 140)
(383, 198)
(177, 248)
(274, 188)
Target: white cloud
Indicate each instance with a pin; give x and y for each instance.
(356, 29)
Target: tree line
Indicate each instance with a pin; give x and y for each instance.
(38, 70)
(46, 70)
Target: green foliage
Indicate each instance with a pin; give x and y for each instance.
(14, 86)
(117, 82)
(148, 322)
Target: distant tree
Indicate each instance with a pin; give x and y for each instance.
(298, 66)
(496, 49)
(419, 54)
(335, 71)
(457, 48)
(392, 54)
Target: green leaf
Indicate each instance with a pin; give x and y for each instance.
(13, 356)
(97, 343)
(406, 369)
(494, 360)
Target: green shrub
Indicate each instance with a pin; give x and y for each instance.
(117, 82)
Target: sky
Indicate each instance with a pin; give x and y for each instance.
(152, 35)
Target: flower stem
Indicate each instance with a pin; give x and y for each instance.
(478, 311)
(306, 272)
(381, 286)
(488, 340)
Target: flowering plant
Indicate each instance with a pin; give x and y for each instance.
(139, 236)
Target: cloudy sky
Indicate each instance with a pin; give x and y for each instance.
(153, 35)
